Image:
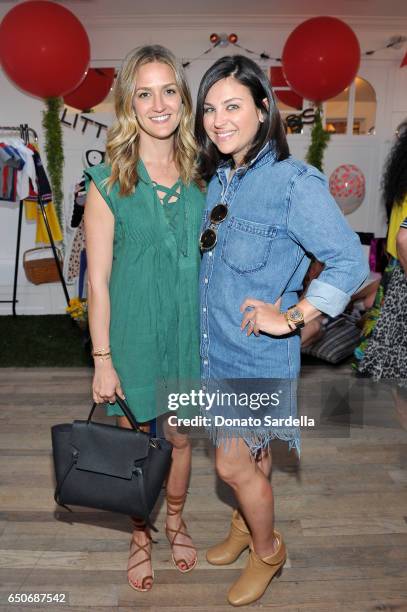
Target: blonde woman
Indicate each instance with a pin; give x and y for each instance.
(142, 220)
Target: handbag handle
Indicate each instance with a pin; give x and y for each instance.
(123, 405)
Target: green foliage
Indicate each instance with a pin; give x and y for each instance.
(319, 142)
(54, 151)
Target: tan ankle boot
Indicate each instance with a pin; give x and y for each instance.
(257, 575)
(238, 539)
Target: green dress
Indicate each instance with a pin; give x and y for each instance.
(154, 311)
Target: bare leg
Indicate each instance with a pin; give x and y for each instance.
(253, 492)
(264, 461)
(139, 566)
(184, 552)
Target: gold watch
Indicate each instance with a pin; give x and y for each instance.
(294, 316)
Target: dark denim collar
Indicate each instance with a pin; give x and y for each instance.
(266, 154)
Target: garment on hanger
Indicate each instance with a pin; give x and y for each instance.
(10, 163)
(23, 169)
(79, 203)
(41, 188)
(75, 260)
(23, 177)
(78, 243)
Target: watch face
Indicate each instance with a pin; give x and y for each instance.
(296, 314)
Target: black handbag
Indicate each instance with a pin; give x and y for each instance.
(108, 467)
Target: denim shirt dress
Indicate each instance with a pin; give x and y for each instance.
(279, 212)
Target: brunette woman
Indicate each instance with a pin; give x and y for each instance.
(266, 212)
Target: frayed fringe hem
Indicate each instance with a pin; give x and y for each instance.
(255, 441)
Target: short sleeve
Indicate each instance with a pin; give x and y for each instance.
(98, 174)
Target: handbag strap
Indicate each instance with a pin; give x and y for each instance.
(123, 405)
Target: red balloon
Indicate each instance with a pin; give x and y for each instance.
(321, 58)
(44, 48)
(93, 89)
(286, 96)
(277, 78)
(290, 98)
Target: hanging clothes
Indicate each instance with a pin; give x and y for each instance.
(75, 260)
(23, 177)
(78, 244)
(10, 163)
(24, 167)
(41, 188)
(79, 203)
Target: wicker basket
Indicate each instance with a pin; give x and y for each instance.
(41, 269)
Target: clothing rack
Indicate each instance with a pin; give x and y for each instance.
(25, 132)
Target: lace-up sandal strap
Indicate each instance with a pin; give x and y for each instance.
(138, 548)
(176, 532)
(145, 579)
(138, 523)
(175, 504)
(180, 560)
(146, 548)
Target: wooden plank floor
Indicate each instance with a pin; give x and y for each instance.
(342, 510)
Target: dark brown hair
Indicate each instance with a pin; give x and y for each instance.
(248, 73)
(394, 184)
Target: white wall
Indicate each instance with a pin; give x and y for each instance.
(111, 38)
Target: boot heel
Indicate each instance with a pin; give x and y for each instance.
(278, 574)
(257, 575)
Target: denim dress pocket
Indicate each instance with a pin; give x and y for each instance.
(247, 245)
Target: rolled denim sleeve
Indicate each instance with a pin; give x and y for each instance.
(316, 223)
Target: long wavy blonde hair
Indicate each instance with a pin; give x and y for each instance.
(122, 147)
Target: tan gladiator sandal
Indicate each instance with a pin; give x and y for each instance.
(139, 525)
(175, 504)
(257, 575)
(236, 542)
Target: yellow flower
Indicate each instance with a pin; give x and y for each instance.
(78, 309)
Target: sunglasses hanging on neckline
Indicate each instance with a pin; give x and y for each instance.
(209, 238)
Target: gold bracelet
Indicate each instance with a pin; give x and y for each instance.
(101, 350)
(103, 357)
